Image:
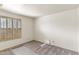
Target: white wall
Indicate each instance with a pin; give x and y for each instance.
(78, 29)
(27, 30)
(60, 27)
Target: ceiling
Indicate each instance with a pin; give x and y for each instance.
(37, 10)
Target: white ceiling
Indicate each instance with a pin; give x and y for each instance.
(36, 10)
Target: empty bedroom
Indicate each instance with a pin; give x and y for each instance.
(39, 29)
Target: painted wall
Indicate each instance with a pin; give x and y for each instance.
(78, 29)
(27, 30)
(60, 28)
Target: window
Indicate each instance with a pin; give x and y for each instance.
(10, 28)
